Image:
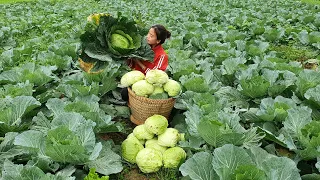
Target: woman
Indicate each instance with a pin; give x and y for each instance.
(157, 35)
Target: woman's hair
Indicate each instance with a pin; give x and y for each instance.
(162, 33)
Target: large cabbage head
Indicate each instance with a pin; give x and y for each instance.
(156, 124)
(122, 40)
(172, 87)
(153, 144)
(169, 138)
(140, 132)
(130, 148)
(157, 77)
(142, 88)
(131, 77)
(149, 160)
(173, 157)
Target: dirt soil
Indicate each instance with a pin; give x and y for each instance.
(133, 174)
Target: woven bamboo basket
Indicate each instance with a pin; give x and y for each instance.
(142, 107)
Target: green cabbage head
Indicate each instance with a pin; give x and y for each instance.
(140, 132)
(157, 77)
(122, 40)
(130, 148)
(149, 160)
(131, 77)
(169, 138)
(142, 88)
(157, 90)
(142, 141)
(153, 144)
(156, 124)
(172, 87)
(173, 157)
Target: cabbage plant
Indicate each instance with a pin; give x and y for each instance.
(108, 39)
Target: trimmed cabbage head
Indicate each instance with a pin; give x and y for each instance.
(172, 87)
(156, 124)
(157, 77)
(169, 138)
(140, 132)
(142, 141)
(173, 157)
(131, 77)
(149, 160)
(153, 144)
(130, 148)
(157, 90)
(142, 88)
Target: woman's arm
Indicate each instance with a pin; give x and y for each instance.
(143, 67)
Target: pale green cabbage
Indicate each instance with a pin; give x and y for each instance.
(142, 141)
(156, 124)
(130, 148)
(140, 132)
(119, 41)
(173, 157)
(157, 77)
(157, 90)
(142, 88)
(131, 77)
(169, 138)
(172, 87)
(149, 160)
(153, 144)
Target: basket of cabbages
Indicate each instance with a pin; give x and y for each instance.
(153, 93)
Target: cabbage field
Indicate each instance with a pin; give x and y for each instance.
(249, 107)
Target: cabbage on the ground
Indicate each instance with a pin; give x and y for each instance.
(140, 132)
(169, 138)
(149, 160)
(156, 124)
(174, 156)
(130, 148)
(154, 153)
(153, 144)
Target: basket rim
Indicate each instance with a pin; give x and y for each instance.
(148, 99)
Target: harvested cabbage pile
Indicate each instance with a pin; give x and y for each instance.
(156, 84)
(153, 145)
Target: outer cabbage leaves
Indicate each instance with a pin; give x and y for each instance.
(108, 39)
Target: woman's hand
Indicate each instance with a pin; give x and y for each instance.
(143, 67)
